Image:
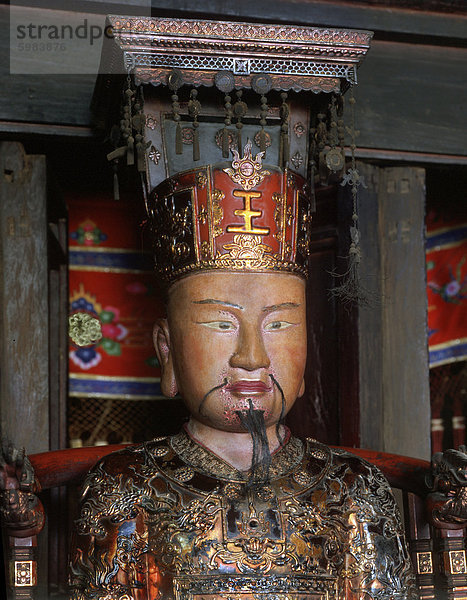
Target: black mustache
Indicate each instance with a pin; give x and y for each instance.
(205, 397)
(281, 416)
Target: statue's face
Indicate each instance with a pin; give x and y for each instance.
(232, 337)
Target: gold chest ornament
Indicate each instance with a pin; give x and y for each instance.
(186, 527)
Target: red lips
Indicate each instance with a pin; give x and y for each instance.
(245, 386)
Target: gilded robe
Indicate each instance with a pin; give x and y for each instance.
(169, 520)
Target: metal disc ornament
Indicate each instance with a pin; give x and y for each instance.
(267, 141)
(84, 329)
(335, 160)
(231, 136)
(175, 79)
(261, 83)
(225, 81)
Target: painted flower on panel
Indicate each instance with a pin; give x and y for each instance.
(454, 290)
(88, 234)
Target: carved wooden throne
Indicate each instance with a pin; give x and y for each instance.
(434, 499)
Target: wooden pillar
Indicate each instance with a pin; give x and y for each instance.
(394, 385)
(24, 350)
(24, 326)
(369, 318)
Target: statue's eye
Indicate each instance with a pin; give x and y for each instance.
(220, 325)
(277, 325)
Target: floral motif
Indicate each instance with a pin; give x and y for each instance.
(247, 171)
(88, 234)
(299, 129)
(154, 155)
(187, 135)
(151, 122)
(297, 160)
(454, 290)
(246, 252)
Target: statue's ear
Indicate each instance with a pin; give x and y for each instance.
(161, 337)
(301, 391)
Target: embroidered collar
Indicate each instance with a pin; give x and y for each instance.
(200, 458)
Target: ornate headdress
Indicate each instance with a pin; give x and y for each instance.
(239, 120)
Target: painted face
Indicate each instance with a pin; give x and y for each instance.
(232, 338)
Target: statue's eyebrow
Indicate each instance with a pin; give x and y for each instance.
(282, 306)
(221, 302)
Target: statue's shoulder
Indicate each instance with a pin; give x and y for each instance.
(130, 461)
(344, 461)
(363, 483)
(117, 488)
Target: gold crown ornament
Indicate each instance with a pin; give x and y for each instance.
(236, 124)
(238, 216)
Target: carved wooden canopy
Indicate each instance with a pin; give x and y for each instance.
(295, 57)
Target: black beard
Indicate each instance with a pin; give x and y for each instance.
(253, 421)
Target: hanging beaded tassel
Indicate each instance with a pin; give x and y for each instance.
(352, 291)
(262, 122)
(261, 83)
(178, 129)
(123, 133)
(321, 140)
(312, 167)
(341, 130)
(284, 140)
(127, 128)
(138, 121)
(240, 110)
(225, 82)
(335, 158)
(131, 132)
(194, 109)
(175, 81)
(115, 180)
(227, 123)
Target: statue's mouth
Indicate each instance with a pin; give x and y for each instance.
(248, 387)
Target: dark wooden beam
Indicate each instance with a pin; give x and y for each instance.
(411, 96)
(413, 17)
(47, 129)
(329, 14)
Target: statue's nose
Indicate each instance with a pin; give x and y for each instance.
(250, 353)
